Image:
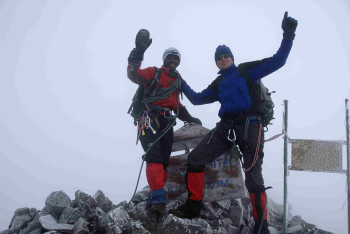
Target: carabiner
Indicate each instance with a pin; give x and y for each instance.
(229, 134)
(148, 124)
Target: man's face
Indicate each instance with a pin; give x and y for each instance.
(172, 62)
(224, 61)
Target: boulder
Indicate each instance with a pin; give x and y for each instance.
(49, 223)
(56, 202)
(102, 201)
(20, 219)
(70, 215)
(85, 203)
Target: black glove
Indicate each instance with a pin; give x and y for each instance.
(186, 117)
(289, 26)
(142, 42)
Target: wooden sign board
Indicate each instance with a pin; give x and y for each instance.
(223, 178)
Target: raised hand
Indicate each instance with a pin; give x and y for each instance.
(289, 26)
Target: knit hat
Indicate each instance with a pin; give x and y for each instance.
(222, 49)
(171, 51)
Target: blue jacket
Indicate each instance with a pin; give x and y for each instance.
(231, 90)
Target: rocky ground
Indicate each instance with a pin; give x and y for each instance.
(97, 214)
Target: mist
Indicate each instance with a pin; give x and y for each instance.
(64, 93)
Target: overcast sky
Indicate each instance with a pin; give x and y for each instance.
(64, 93)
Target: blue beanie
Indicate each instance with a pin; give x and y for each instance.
(222, 49)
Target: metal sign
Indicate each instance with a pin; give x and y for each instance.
(318, 156)
(223, 178)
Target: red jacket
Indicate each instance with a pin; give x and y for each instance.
(141, 76)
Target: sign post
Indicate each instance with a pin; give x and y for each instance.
(285, 200)
(348, 156)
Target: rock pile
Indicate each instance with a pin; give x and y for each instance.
(97, 214)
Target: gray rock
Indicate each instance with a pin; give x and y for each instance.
(49, 223)
(119, 217)
(246, 230)
(137, 198)
(7, 231)
(34, 224)
(295, 229)
(102, 201)
(52, 232)
(251, 224)
(236, 215)
(38, 231)
(113, 229)
(224, 204)
(173, 224)
(70, 215)
(246, 202)
(85, 203)
(223, 226)
(23, 211)
(81, 226)
(101, 216)
(309, 226)
(273, 230)
(88, 216)
(137, 226)
(227, 220)
(33, 212)
(234, 230)
(20, 219)
(139, 212)
(124, 204)
(296, 220)
(56, 202)
(212, 212)
(172, 205)
(141, 232)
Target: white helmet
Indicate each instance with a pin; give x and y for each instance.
(171, 51)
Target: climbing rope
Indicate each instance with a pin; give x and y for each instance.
(274, 137)
(256, 156)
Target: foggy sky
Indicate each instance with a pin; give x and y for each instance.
(64, 93)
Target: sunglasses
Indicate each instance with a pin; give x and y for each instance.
(223, 56)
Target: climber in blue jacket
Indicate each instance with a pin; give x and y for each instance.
(240, 119)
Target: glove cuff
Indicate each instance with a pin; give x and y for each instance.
(289, 36)
(135, 56)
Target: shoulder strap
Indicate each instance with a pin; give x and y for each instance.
(155, 80)
(253, 88)
(215, 84)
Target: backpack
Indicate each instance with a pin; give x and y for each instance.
(262, 104)
(137, 105)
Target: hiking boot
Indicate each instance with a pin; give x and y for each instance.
(157, 208)
(264, 227)
(190, 210)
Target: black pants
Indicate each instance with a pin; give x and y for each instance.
(216, 143)
(161, 150)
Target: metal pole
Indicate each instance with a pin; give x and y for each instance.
(348, 156)
(285, 200)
